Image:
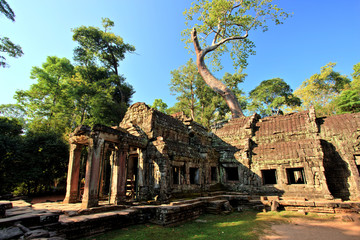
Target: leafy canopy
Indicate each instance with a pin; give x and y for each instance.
(159, 105)
(6, 45)
(101, 46)
(349, 99)
(321, 89)
(271, 95)
(223, 26)
(197, 99)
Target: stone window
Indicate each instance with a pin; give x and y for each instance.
(269, 176)
(296, 175)
(232, 173)
(178, 175)
(194, 176)
(214, 174)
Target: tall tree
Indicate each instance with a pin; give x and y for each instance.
(47, 103)
(7, 46)
(98, 55)
(183, 83)
(321, 89)
(197, 99)
(223, 24)
(103, 47)
(270, 96)
(349, 99)
(10, 153)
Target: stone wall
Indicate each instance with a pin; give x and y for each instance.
(340, 136)
(294, 155)
(179, 155)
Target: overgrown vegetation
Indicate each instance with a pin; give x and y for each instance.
(34, 131)
(248, 225)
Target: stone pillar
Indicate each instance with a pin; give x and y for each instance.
(118, 181)
(141, 180)
(92, 175)
(72, 186)
(103, 170)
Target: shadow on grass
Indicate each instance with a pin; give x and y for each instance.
(248, 225)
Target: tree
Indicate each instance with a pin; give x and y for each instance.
(321, 89)
(228, 23)
(159, 105)
(6, 10)
(183, 83)
(349, 99)
(198, 100)
(47, 103)
(271, 95)
(103, 47)
(46, 155)
(10, 153)
(7, 46)
(98, 55)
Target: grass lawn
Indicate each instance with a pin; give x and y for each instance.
(246, 225)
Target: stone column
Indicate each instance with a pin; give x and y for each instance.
(92, 175)
(118, 181)
(141, 180)
(103, 169)
(72, 186)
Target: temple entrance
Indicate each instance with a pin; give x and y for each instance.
(132, 178)
(105, 175)
(82, 171)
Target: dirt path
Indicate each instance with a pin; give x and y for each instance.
(340, 228)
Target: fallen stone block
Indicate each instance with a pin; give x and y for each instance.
(39, 233)
(10, 233)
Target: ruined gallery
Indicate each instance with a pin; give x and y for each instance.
(152, 156)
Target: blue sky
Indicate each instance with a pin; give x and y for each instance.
(320, 31)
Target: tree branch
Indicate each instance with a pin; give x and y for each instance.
(214, 46)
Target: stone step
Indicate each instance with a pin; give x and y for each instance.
(30, 219)
(16, 212)
(86, 225)
(6, 204)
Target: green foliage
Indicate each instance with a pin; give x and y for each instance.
(48, 103)
(32, 162)
(96, 45)
(321, 89)
(7, 46)
(270, 96)
(183, 84)
(225, 24)
(65, 96)
(349, 99)
(104, 95)
(6, 10)
(159, 105)
(197, 100)
(10, 154)
(46, 155)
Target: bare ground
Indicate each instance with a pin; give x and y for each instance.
(343, 227)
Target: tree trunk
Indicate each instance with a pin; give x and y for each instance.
(214, 83)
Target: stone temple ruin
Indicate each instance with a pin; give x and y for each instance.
(154, 156)
(140, 172)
